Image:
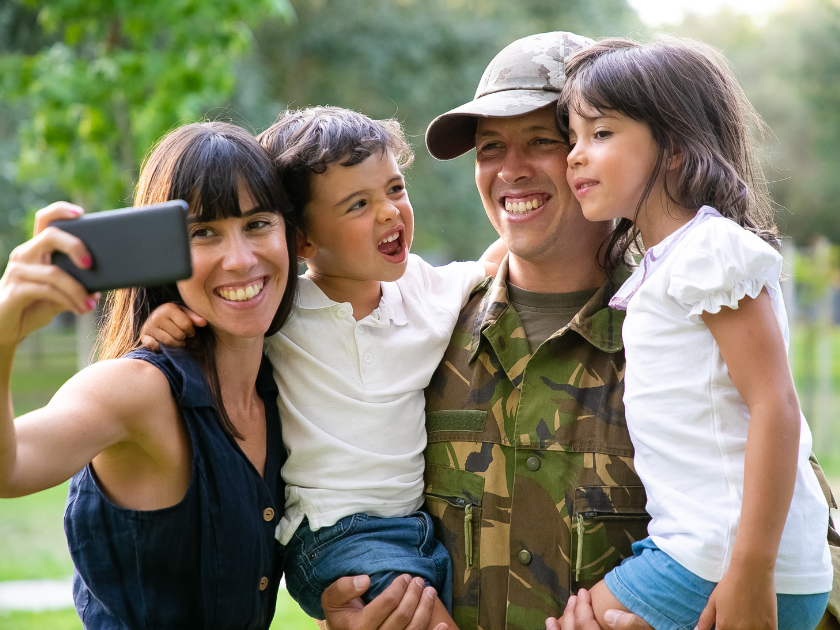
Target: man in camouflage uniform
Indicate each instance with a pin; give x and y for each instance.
(529, 466)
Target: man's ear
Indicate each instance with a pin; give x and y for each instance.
(305, 247)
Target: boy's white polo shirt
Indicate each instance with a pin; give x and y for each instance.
(351, 394)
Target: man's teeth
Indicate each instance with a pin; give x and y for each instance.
(391, 238)
(521, 207)
(242, 294)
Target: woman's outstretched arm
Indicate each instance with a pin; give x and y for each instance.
(105, 407)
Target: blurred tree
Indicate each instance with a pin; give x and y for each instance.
(413, 60)
(101, 82)
(790, 70)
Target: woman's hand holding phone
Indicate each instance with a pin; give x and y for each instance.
(33, 291)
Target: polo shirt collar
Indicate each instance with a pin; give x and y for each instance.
(391, 307)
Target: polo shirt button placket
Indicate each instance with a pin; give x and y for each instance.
(368, 358)
(341, 312)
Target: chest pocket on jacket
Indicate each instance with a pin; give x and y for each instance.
(606, 521)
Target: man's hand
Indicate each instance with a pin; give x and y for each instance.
(404, 605)
(580, 616)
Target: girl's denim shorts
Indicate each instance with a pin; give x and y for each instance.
(668, 596)
(383, 548)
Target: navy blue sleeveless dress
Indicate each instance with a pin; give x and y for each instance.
(211, 561)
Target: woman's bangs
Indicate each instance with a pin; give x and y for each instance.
(215, 194)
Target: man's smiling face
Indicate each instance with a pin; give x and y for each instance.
(520, 171)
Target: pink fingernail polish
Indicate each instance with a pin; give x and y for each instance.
(86, 261)
(91, 303)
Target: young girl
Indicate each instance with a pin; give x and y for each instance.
(660, 141)
(370, 326)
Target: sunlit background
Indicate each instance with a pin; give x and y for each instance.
(86, 88)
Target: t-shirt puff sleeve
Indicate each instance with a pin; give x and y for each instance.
(450, 286)
(718, 264)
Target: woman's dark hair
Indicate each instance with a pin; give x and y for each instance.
(305, 142)
(687, 94)
(205, 164)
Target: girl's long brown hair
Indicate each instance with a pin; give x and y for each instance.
(687, 94)
(204, 164)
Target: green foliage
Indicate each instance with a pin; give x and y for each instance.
(790, 70)
(413, 60)
(117, 75)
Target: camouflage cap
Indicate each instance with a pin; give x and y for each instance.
(524, 76)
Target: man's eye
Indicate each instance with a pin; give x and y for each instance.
(359, 205)
(491, 148)
(397, 188)
(546, 141)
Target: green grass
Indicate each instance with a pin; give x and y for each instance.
(287, 617)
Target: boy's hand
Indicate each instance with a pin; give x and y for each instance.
(741, 600)
(169, 325)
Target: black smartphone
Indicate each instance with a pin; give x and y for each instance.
(133, 247)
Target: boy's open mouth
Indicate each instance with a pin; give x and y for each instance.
(392, 245)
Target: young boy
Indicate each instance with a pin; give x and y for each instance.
(370, 326)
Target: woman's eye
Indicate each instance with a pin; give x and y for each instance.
(602, 135)
(258, 223)
(201, 232)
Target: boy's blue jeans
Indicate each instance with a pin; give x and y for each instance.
(382, 548)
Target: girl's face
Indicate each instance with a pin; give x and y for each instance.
(240, 270)
(611, 160)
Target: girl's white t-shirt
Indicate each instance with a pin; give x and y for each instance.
(687, 421)
(351, 394)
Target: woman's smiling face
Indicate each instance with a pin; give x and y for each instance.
(240, 269)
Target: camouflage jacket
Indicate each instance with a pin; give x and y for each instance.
(529, 466)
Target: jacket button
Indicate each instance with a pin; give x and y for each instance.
(525, 556)
(263, 583)
(268, 514)
(533, 463)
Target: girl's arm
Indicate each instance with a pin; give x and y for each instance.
(492, 257)
(751, 344)
(102, 406)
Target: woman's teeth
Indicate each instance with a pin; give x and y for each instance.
(242, 294)
(521, 207)
(391, 238)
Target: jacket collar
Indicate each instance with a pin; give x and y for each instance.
(596, 322)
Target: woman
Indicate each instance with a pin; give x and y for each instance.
(174, 457)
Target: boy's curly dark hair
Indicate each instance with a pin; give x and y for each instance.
(305, 142)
